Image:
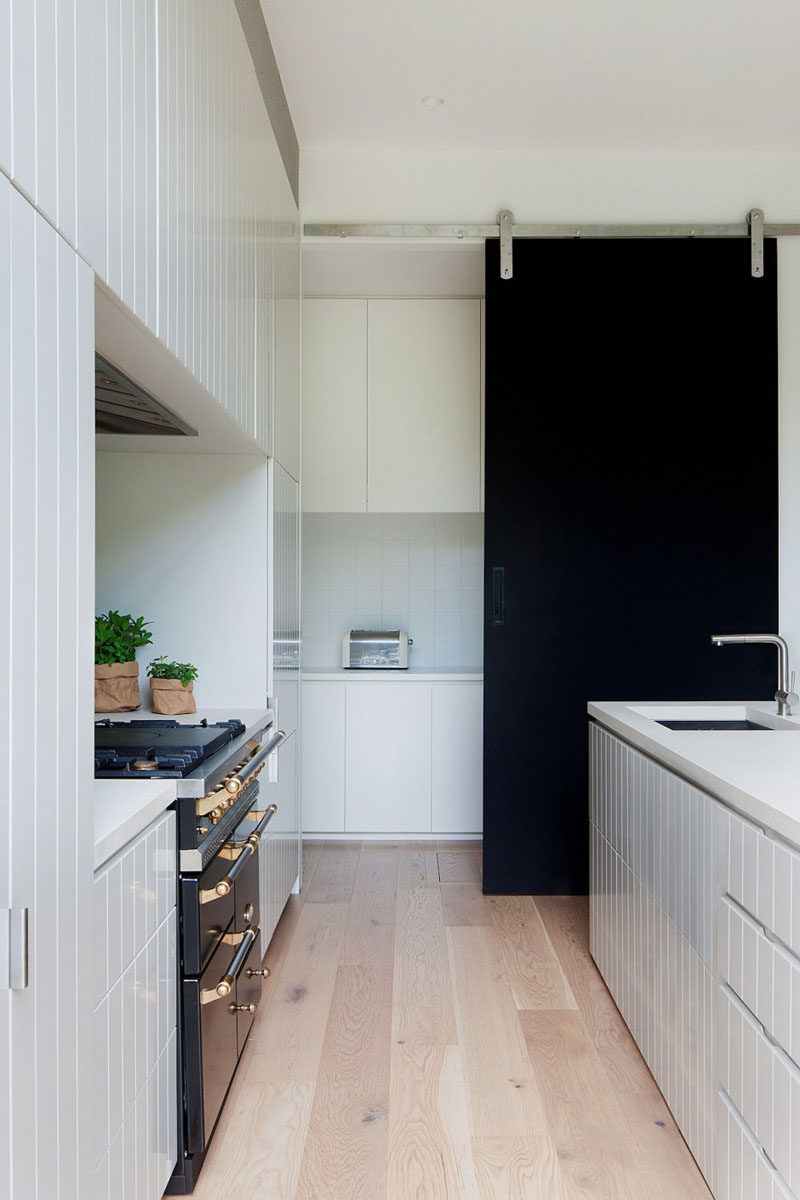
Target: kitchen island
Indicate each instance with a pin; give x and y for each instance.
(695, 924)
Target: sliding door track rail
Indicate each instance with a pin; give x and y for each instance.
(754, 227)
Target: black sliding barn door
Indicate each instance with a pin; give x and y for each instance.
(631, 512)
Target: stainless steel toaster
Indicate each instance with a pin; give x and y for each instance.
(376, 649)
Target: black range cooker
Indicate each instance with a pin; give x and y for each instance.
(221, 816)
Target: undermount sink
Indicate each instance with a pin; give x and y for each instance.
(717, 724)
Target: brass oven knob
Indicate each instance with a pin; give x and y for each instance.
(248, 1008)
(264, 972)
(247, 915)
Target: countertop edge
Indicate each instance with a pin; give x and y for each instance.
(419, 674)
(633, 729)
(123, 808)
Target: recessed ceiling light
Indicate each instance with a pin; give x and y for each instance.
(432, 101)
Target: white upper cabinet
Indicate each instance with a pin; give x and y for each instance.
(139, 129)
(424, 406)
(335, 405)
(392, 406)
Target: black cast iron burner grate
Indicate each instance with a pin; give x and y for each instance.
(157, 749)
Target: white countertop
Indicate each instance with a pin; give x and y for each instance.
(755, 772)
(124, 807)
(419, 674)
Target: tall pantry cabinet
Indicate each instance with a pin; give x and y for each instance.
(46, 704)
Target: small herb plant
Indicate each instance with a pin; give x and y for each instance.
(117, 636)
(160, 669)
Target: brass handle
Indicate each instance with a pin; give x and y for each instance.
(264, 972)
(236, 783)
(248, 1008)
(255, 836)
(223, 887)
(225, 985)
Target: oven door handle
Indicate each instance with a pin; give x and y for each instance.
(255, 836)
(237, 782)
(226, 984)
(224, 885)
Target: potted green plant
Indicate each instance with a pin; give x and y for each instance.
(117, 637)
(172, 684)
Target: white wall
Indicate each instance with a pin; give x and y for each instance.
(473, 185)
(422, 573)
(182, 539)
(594, 186)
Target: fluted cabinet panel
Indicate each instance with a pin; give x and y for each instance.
(695, 926)
(138, 128)
(280, 865)
(135, 1016)
(46, 602)
(286, 408)
(651, 924)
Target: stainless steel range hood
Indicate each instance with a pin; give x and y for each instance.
(121, 406)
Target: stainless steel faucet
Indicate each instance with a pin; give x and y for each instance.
(784, 697)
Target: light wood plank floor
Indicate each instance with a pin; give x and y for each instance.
(418, 1040)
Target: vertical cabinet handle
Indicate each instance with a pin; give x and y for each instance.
(498, 595)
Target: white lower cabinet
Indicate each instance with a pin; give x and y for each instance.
(322, 783)
(388, 757)
(135, 1041)
(392, 756)
(279, 849)
(457, 758)
(695, 925)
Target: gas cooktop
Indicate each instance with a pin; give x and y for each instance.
(157, 749)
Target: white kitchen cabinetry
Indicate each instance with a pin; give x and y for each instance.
(322, 778)
(335, 405)
(457, 758)
(388, 757)
(135, 1097)
(47, 557)
(757, 948)
(652, 920)
(392, 756)
(695, 926)
(424, 404)
(139, 129)
(279, 859)
(392, 405)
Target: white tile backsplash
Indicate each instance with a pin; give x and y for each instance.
(422, 573)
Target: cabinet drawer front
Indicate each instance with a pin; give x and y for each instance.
(762, 1084)
(761, 874)
(742, 1169)
(764, 976)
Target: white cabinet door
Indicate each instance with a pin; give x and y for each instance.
(287, 347)
(335, 405)
(322, 759)
(135, 1093)
(388, 755)
(424, 406)
(457, 758)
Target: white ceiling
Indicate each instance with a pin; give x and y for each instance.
(545, 74)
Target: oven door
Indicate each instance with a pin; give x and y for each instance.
(205, 915)
(211, 1013)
